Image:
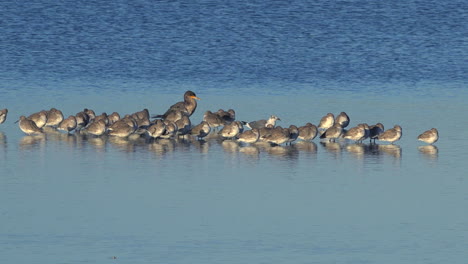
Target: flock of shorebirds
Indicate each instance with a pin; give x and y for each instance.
(175, 122)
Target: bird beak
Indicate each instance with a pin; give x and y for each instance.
(194, 97)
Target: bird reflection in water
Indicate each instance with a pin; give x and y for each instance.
(3, 142)
(391, 149)
(230, 146)
(358, 150)
(250, 151)
(202, 145)
(99, 143)
(32, 142)
(162, 147)
(430, 151)
(334, 148)
(306, 146)
(283, 152)
(2, 139)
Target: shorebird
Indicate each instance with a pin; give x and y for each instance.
(183, 125)
(342, 119)
(293, 133)
(114, 117)
(90, 113)
(201, 130)
(227, 116)
(430, 136)
(278, 136)
(143, 114)
(54, 117)
(96, 128)
(3, 115)
(231, 130)
(249, 136)
(142, 118)
(122, 128)
(307, 132)
(40, 118)
(265, 131)
(326, 122)
(171, 129)
(375, 131)
(391, 135)
(128, 120)
(263, 123)
(28, 126)
(68, 124)
(333, 132)
(157, 129)
(357, 133)
(213, 119)
(82, 120)
(102, 117)
(186, 107)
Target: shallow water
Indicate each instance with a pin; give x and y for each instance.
(69, 199)
(73, 199)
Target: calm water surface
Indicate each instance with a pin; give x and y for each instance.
(72, 199)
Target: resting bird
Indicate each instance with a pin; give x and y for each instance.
(429, 136)
(3, 115)
(333, 132)
(326, 122)
(342, 119)
(391, 135)
(263, 123)
(28, 126)
(187, 107)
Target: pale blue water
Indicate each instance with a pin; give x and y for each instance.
(67, 199)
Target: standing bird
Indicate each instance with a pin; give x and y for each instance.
(186, 107)
(326, 122)
(391, 135)
(375, 131)
(114, 117)
(171, 129)
(28, 126)
(3, 115)
(293, 133)
(102, 117)
(249, 136)
(357, 133)
(54, 117)
(231, 130)
(307, 132)
(342, 119)
(227, 116)
(82, 120)
(263, 123)
(68, 124)
(183, 125)
(430, 136)
(333, 132)
(201, 130)
(213, 119)
(97, 127)
(40, 118)
(278, 136)
(157, 129)
(90, 113)
(122, 128)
